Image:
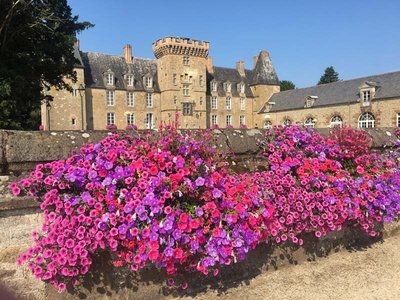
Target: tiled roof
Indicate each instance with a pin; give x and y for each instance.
(96, 64)
(340, 92)
(223, 75)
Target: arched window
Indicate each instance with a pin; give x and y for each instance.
(366, 120)
(309, 122)
(287, 122)
(267, 125)
(336, 121)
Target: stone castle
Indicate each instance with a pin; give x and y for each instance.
(126, 90)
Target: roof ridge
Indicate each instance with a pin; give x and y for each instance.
(115, 55)
(357, 78)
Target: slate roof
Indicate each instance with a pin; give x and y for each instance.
(340, 92)
(96, 64)
(77, 55)
(222, 75)
(264, 71)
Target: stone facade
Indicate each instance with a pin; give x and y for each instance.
(182, 79)
(124, 90)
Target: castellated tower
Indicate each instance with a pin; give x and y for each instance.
(181, 72)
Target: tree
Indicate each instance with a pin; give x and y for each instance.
(286, 85)
(330, 75)
(36, 52)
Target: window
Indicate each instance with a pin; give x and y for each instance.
(110, 118)
(214, 120)
(267, 125)
(286, 122)
(214, 86)
(242, 88)
(201, 100)
(149, 100)
(309, 103)
(110, 79)
(228, 103)
(366, 120)
(175, 99)
(214, 102)
(130, 118)
(129, 80)
(174, 79)
(73, 121)
(74, 92)
(336, 121)
(149, 82)
(185, 90)
(398, 120)
(228, 120)
(201, 81)
(187, 109)
(148, 121)
(110, 98)
(242, 104)
(228, 87)
(130, 99)
(366, 97)
(242, 120)
(309, 122)
(186, 60)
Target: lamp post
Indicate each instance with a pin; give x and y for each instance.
(81, 90)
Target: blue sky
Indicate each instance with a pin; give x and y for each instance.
(358, 38)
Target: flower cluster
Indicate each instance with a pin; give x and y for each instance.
(171, 200)
(168, 201)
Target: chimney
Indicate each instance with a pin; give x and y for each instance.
(77, 43)
(210, 65)
(240, 68)
(128, 53)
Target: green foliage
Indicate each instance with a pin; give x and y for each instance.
(36, 52)
(286, 85)
(330, 75)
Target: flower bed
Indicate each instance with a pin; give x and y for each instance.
(174, 202)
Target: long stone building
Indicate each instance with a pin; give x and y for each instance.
(126, 90)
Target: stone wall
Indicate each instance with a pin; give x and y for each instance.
(21, 151)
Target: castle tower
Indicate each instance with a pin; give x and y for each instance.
(181, 72)
(264, 84)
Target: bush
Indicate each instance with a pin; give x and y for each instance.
(173, 202)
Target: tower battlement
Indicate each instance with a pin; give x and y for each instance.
(180, 46)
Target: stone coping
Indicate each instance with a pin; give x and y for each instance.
(22, 150)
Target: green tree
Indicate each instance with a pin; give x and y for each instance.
(36, 52)
(330, 75)
(286, 85)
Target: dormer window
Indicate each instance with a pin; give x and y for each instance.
(110, 79)
(310, 100)
(241, 88)
(149, 82)
(366, 97)
(268, 106)
(214, 86)
(228, 87)
(129, 80)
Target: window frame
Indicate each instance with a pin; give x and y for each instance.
(269, 126)
(287, 122)
(366, 123)
(242, 120)
(130, 101)
(334, 121)
(129, 80)
(309, 122)
(110, 115)
(242, 103)
(147, 124)
(214, 122)
(228, 105)
(187, 109)
(149, 100)
(110, 97)
(132, 120)
(214, 102)
(110, 79)
(228, 120)
(185, 90)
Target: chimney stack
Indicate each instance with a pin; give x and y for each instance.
(77, 43)
(128, 53)
(210, 65)
(240, 68)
